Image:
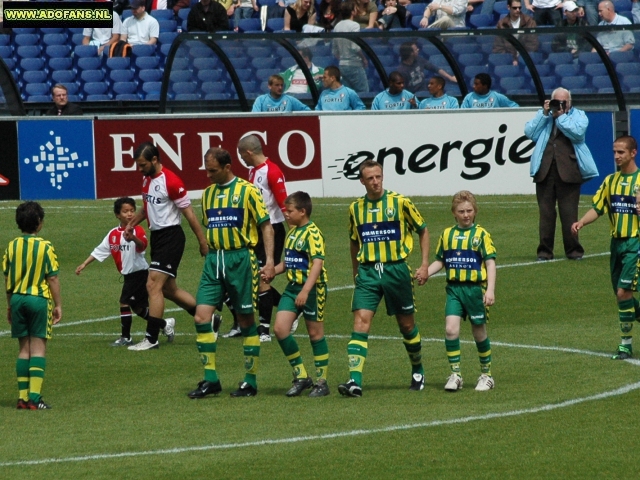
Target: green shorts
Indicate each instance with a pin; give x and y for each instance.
(466, 299)
(391, 280)
(314, 308)
(233, 273)
(624, 263)
(31, 316)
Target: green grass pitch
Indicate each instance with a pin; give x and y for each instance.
(561, 408)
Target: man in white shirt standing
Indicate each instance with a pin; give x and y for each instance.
(141, 28)
(103, 37)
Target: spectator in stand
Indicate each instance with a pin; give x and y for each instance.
(516, 20)
(395, 97)
(412, 67)
(438, 99)
(352, 60)
(615, 41)
(294, 79)
(366, 14)
(275, 101)
(207, 16)
(299, 14)
(103, 37)
(394, 15)
(336, 96)
(571, 42)
(61, 106)
(635, 11)
(141, 28)
(243, 9)
(449, 14)
(329, 14)
(483, 97)
(545, 12)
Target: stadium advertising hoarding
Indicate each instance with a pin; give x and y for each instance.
(292, 142)
(57, 14)
(55, 159)
(9, 176)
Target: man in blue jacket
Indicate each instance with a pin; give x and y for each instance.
(560, 163)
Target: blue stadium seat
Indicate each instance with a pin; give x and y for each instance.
(6, 51)
(120, 89)
(472, 71)
(626, 69)
(50, 30)
(462, 48)
(32, 64)
(180, 63)
(74, 30)
(212, 75)
(151, 90)
(24, 39)
(206, 63)
(183, 97)
(143, 50)
(500, 8)
(631, 83)
(183, 14)
(574, 82)
(121, 76)
(34, 76)
(163, 14)
(501, 71)
(60, 63)
(265, 62)
(29, 51)
(511, 83)
(500, 59)
(150, 75)
(549, 83)
(63, 76)
(72, 88)
(560, 58)
(118, 63)
(244, 74)
(601, 82)
(275, 24)
(126, 14)
(58, 51)
(98, 98)
(92, 75)
(249, 25)
(95, 88)
(470, 59)
(37, 89)
(145, 63)
(168, 25)
(217, 96)
(258, 52)
(589, 58)
(481, 20)
(567, 70)
(89, 63)
(180, 76)
(23, 30)
(54, 39)
(167, 37)
(184, 87)
(595, 69)
(76, 39)
(82, 51)
(622, 57)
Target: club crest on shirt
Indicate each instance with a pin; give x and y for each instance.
(476, 241)
(113, 239)
(300, 243)
(390, 211)
(235, 199)
(636, 187)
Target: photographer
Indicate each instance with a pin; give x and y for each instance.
(560, 163)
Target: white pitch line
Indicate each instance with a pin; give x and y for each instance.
(330, 436)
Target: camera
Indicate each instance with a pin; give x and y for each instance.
(557, 105)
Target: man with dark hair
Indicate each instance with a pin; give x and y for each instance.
(571, 42)
(412, 67)
(483, 97)
(515, 20)
(140, 28)
(438, 99)
(352, 61)
(276, 101)
(395, 97)
(62, 106)
(207, 16)
(336, 96)
(165, 199)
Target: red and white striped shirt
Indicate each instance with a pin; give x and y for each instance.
(126, 254)
(164, 195)
(270, 180)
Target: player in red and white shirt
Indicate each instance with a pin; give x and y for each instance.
(268, 177)
(165, 200)
(127, 250)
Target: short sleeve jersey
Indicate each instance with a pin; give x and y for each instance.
(464, 252)
(232, 214)
(616, 197)
(164, 195)
(126, 254)
(27, 262)
(270, 181)
(302, 246)
(440, 103)
(342, 98)
(490, 100)
(384, 228)
(385, 101)
(286, 103)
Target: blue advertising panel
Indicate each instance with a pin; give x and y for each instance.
(56, 159)
(634, 123)
(600, 135)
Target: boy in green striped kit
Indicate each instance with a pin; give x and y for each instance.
(617, 198)
(305, 293)
(467, 253)
(30, 268)
(232, 212)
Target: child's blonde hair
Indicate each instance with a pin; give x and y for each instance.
(464, 196)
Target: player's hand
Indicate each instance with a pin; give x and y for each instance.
(268, 272)
(79, 269)
(422, 275)
(413, 103)
(301, 299)
(204, 249)
(128, 235)
(489, 299)
(57, 314)
(576, 227)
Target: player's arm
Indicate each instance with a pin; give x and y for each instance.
(422, 272)
(195, 227)
(490, 295)
(268, 270)
(83, 265)
(354, 248)
(139, 217)
(138, 237)
(589, 217)
(54, 286)
(314, 273)
(277, 185)
(8, 302)
(435, 267)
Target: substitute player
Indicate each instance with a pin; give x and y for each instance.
(232, 211)
(617, 198)
(165, 199)
(381, 228)
(306, 294)
(30, 269)
(467, 253)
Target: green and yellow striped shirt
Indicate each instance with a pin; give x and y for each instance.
(464, 252)
(27, 262)
(302, 246)
(384, 228)
(232, 214)
(617, 197)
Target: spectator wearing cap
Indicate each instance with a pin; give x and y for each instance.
(545, 12)
(141, 28)
(571, 42)
(618, 40)
(515, 20)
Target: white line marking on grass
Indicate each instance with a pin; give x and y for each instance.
(330, 436)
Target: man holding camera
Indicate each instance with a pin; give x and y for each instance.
(560, 163)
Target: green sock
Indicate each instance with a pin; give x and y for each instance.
(291, 350)
(626, 315)
(453, 354)
(36, 377)
(321, 358)
(636, 308)
(207, 346)
(251, 347)
(484, 352)
(413, 345)
(357, 352)
(22, 372)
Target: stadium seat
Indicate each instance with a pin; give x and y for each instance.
(560, 58)
(249, 25)
(25, 39)
(183, 87)
(95, 88)
(89, 63)
(258, 52)
(6, 51)
(622, 57)
(631, 83)
(502, 71)
(98, 98)
(587, 58)
(481, 20)
(145, 63)
(184, 97)
(118, 63)
(91, 76)
(63, 76)
(462, 48)
(183, 14)
(275, 24)
(180, 76)
(168, 25)
(54, 39)
(37, 89)
(180, 63)
(151, 90)
(76, 39)
(218, 96)
(60, 63)
(143, 50)
(58, 51)
(206, 63)
(212, 75)
(500, 8)
(51, 30)
(595, 69)
(34, 76)
(163, 14)
(150, 75)
(511, 83)
(567, 70)
(574, 82)
(470, 59)
(72, 88)
(625, 69)
(120, 89)
(244, 74)
(121, 76)
(265, 62)
(23, 30)
(601, 82)
(500, 59)
(472, 71)
(167, 37)
(29, 51)
(32, 64)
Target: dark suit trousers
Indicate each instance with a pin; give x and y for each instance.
(551, 190)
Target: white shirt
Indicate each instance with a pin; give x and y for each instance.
(100, 36)
(141, 31)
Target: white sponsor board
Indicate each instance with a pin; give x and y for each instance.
(429, 153)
